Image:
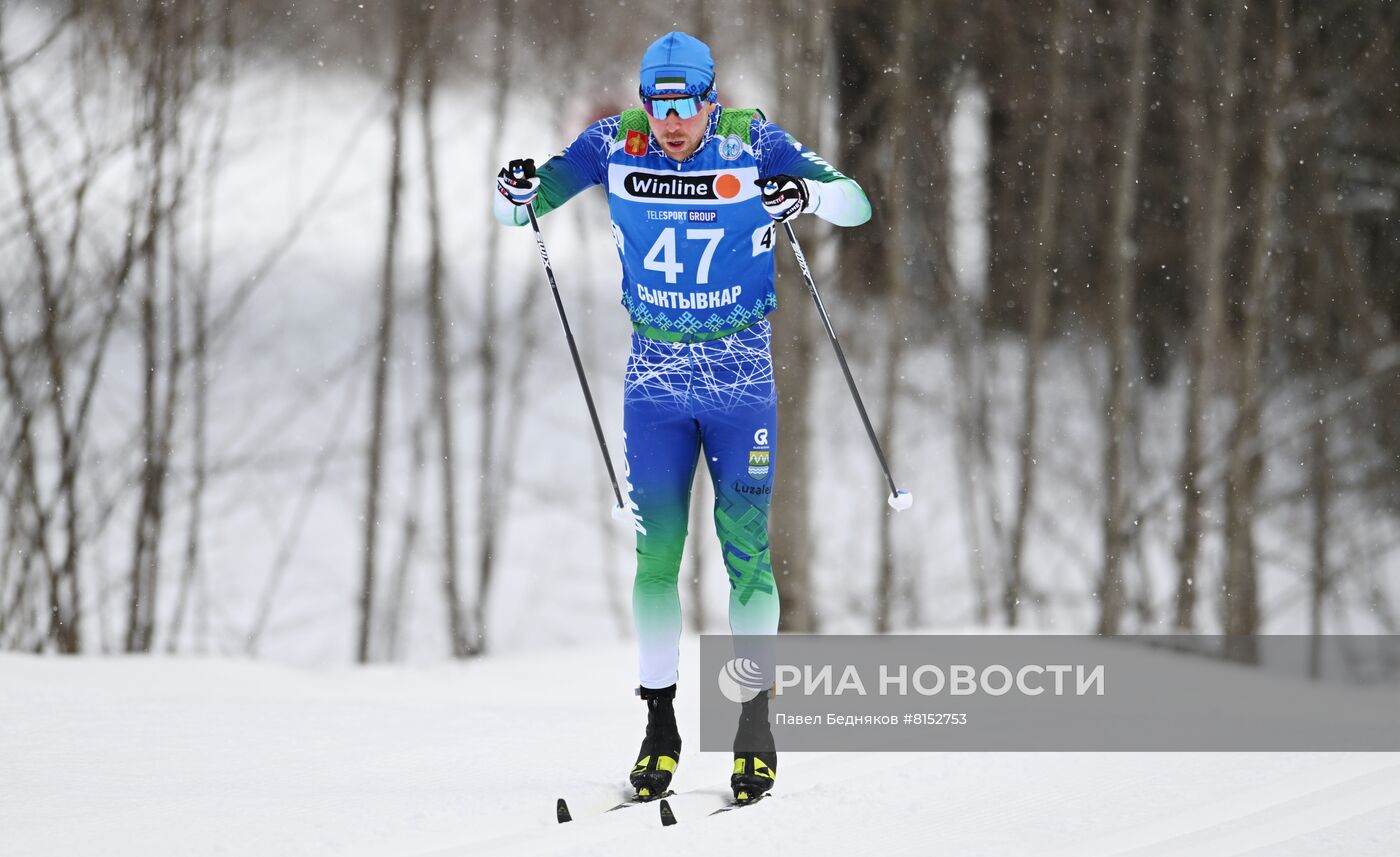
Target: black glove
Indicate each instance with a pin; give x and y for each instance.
(784, 197)
(517, 183)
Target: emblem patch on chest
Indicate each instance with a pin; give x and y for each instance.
(731, 148)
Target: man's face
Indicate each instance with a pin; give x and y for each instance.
(681, 137)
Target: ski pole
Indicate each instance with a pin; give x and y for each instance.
(619, 511)
(898, 500)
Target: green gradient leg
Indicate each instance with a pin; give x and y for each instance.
(661, 449)
(742, 526)
(742, 456)
(656, 602)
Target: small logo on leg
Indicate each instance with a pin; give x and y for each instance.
(758, 464)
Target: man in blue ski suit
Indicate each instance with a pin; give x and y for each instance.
(696, 191)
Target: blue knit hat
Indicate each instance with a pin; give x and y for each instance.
(678, 64)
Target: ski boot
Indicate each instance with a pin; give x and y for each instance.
(755, 756)
(661, 748)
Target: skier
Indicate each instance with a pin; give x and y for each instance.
(695, 191)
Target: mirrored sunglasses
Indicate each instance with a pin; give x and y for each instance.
(685, 106)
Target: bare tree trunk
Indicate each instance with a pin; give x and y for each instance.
(25, 495)
(899, 254)
(1245, 458)
(794, 335)
(1327, 340)
(143, 536)
(201, 379)
(64, 591)
(199, 465)
(889, 583)
(182, 75)
(861, 41)
(972, 458)
(145, 561)
(1118, 422)
(15, 565)
(1321, 489)
(172, 72)
(488, 498)
(1212, 228)
(384, 338)
(397, 606)
(438, 316)
(175, 363)
(1038, 323)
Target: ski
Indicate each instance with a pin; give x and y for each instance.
(562, 813)
(638, 800)
(668, 816)
(738, 804)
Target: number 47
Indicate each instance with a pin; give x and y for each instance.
(662, 255)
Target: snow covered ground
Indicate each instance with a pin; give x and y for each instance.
(150, 756)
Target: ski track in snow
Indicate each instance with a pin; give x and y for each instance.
(1257, 820)
(844, 804)
(120, 757)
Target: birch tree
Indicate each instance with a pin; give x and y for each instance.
(1118, 422)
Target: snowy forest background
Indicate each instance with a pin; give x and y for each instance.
(275, 383)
